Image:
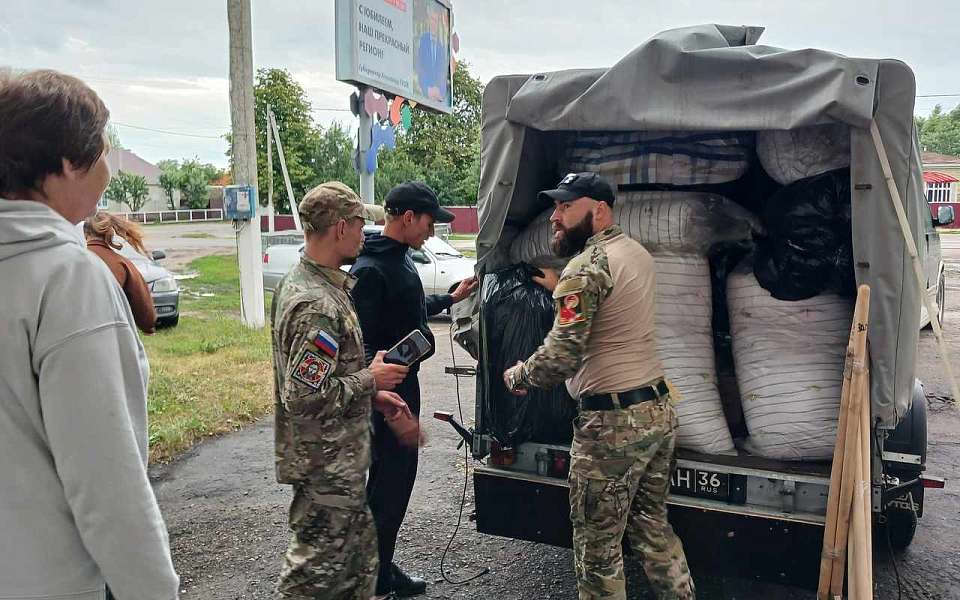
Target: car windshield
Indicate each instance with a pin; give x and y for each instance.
(441, 249)
(127, 251)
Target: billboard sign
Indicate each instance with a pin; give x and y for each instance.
(401, 47)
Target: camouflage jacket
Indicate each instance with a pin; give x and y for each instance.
(322, 390)
(584, 284)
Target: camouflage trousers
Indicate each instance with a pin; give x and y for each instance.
(333, 553)
(620, 464)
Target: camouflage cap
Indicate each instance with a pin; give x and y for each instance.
(329, 202)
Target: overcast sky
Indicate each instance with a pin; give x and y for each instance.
(163, 65)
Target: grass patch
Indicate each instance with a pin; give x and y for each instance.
(197, 235)
(210, 374)
(216, 289)
(462, 236)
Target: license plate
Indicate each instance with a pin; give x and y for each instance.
(703, 484)
(164, 309)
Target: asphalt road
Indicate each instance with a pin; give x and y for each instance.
(183, 242)
(227, 516)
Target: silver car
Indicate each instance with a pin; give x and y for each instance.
(163, 287)
(440, 266)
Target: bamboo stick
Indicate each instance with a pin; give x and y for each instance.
(843, 486)
(855, 583)
(858, 546)
(836, 472)
(847, 485)
(863, 568)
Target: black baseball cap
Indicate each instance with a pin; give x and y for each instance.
(418, 197)
(579, 185)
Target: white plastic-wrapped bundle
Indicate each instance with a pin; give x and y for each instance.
(663, 221)
(661, 157)
(789, 155)
(789, 360)
(685, 347)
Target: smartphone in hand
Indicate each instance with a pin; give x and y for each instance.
(409, 350)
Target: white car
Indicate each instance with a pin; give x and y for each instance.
(440, 266)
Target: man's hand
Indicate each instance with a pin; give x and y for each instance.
(386, 375)
(391, 405)
(549, 280)
(510, 380)
(402, 422)
(465, 288)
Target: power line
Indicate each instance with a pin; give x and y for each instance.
(193, 135)
(938, 95)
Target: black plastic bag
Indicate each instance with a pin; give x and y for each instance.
(516, 314)
(807, 248)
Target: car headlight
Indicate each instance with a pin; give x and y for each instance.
(167, 284)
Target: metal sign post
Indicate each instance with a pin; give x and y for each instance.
(363, 146)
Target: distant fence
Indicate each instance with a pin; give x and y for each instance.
(465, 220)
(283, 223)
(176, 216)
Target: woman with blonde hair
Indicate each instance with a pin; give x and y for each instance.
(77, 513)
(101, 230)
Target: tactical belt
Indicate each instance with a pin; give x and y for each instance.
(624, 399)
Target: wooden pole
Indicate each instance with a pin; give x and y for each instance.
(271, 223)
(866, 445)
(245, 159)
(283, 169)
(847, 483)
(836, 473)
(842, 475)
(932, 309)
(862, 568)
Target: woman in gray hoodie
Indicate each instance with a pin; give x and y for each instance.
(77, 513)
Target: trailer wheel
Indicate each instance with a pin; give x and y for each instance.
(900, 523)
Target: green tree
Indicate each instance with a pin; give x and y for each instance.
(116, 190)
(137, 192)
(277, 89)
(127, 188)
(331, 157)
(170, 179)
(195, 177)
(442, 150)
(192, 178)
(447, 147)
(940, 132)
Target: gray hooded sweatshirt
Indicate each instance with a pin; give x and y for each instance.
(76, 508)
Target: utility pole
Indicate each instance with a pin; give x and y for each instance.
(245, 159)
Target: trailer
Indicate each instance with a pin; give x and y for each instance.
(713, 78)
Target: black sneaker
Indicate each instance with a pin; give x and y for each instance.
(404, 585)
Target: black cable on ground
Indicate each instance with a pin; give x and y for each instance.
(886, 527)
(466, 480)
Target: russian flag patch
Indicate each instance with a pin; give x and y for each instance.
(326, 344)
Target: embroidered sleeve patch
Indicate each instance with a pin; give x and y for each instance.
(570, 310)
(326, 343)
(569, 285)
(312, 369)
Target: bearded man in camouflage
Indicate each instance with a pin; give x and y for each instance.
(323, 396)
(602, 344)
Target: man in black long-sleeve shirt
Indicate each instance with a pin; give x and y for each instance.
(391, 303)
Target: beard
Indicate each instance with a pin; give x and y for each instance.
(569, 241)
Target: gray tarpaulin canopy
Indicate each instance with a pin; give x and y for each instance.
(716, 78)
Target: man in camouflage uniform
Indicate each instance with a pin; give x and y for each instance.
(602, 343)
(323, 395)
